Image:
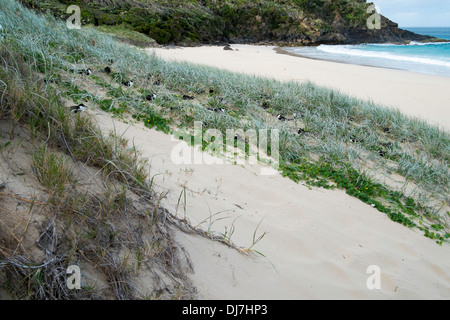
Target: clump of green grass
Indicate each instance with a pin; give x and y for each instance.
(53, 172)
(128, 36)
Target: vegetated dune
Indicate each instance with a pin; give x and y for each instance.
(267, 236)
(315, 244)
(414, 94)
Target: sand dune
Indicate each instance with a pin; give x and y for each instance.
(319, 243)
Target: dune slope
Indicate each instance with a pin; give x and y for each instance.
(318, 243)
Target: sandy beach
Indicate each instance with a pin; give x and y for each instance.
(317, 243)
(416, 94)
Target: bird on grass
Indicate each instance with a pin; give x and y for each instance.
(283, 118)
(128, 83)
(381, 153)
(151, 97)
(79, 108)
(186, 97)
(85, 71)
(107, 70)
(353, 139)
(217, 109)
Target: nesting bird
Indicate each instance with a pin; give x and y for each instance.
(128, 83)
(353, 139)
(107, 69)
(79, 108)
(217, 109)
(186, 97)
(151, 97)
(85, 71)
(283, 118)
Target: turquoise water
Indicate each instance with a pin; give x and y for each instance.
(442, 33)
(432, 58)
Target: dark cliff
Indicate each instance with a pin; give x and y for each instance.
(194, 22)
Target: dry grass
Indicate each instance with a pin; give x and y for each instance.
(95, 206)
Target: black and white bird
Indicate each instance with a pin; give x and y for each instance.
(79, 108)
(301, 131)
(353, 139)
(283, 118)
(186, 97)
(151, 97)
(217, 109)
(107, 69)
(128, 83)
(85, 71)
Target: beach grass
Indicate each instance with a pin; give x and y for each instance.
(344, 143)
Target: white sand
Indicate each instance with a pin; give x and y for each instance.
(424, 96)
(319, 243)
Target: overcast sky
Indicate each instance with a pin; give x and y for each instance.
(416, 13)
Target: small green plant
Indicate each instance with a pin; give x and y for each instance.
(4, 145)
(256, 239)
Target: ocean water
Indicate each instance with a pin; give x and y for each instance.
(432, 58)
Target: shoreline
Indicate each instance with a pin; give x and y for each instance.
(415, 94)
(281, 50)
(284, 50)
